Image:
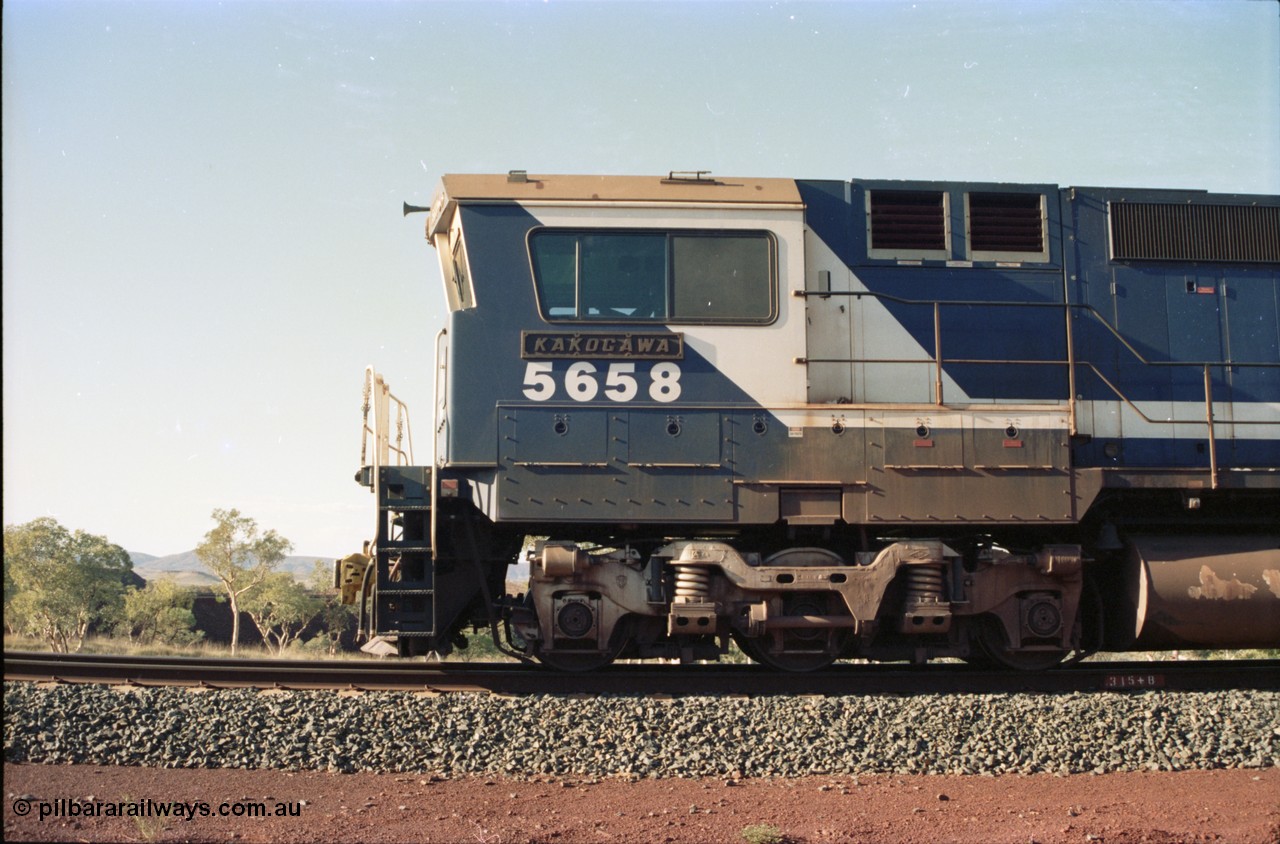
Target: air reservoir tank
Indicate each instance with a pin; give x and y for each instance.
(1204, 591)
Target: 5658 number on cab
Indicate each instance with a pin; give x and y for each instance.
(582, 381)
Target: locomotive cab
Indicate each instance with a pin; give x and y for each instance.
(824, 420)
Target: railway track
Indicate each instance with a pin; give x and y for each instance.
(676, 681)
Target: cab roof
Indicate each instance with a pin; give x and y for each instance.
(674, 188)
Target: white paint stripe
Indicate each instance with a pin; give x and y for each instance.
(1241, 420)
(935, 418)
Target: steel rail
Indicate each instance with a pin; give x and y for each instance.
(638, 679)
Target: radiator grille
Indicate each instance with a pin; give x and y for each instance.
(1166, 232)
(1005, 222)
(908, 221)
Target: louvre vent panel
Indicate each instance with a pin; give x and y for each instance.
(908, 220)
(1002, 222)
(1223, 233)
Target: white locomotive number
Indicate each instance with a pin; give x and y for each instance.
(620, 381)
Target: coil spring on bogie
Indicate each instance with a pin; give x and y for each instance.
(925, 584)
(693, 583)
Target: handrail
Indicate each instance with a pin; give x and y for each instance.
(937, 360)
(1081, 306)
(378, 397)
(1208, 410)
(440, 396)
(439, 418)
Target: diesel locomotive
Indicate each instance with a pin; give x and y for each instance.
(891, 420)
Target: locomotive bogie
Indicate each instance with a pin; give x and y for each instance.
(800, 607)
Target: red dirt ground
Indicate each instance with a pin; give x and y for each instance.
(1235, 806)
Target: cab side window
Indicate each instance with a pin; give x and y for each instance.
(662, 276)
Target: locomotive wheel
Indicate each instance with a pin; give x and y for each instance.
(805, 557)
(794, 656)
(790, 661)
(993, 649)
(576, 663)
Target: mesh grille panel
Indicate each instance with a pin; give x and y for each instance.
(1225, 233)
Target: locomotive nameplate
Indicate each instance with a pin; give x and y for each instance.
(607, 345)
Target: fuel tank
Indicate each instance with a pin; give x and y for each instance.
(1204, 592)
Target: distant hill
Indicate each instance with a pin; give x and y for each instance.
(186, 568)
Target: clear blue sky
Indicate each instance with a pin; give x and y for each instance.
(203, 244)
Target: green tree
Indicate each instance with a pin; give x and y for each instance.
(10, 591)
(281, 609)
(241, 556)
(58, 584)
(160, 612)
(336, 616)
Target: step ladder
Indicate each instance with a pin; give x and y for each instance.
(404, 559)
(401, 600)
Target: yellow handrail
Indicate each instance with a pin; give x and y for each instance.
(379, 398)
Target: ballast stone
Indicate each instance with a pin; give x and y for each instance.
(469, 734)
